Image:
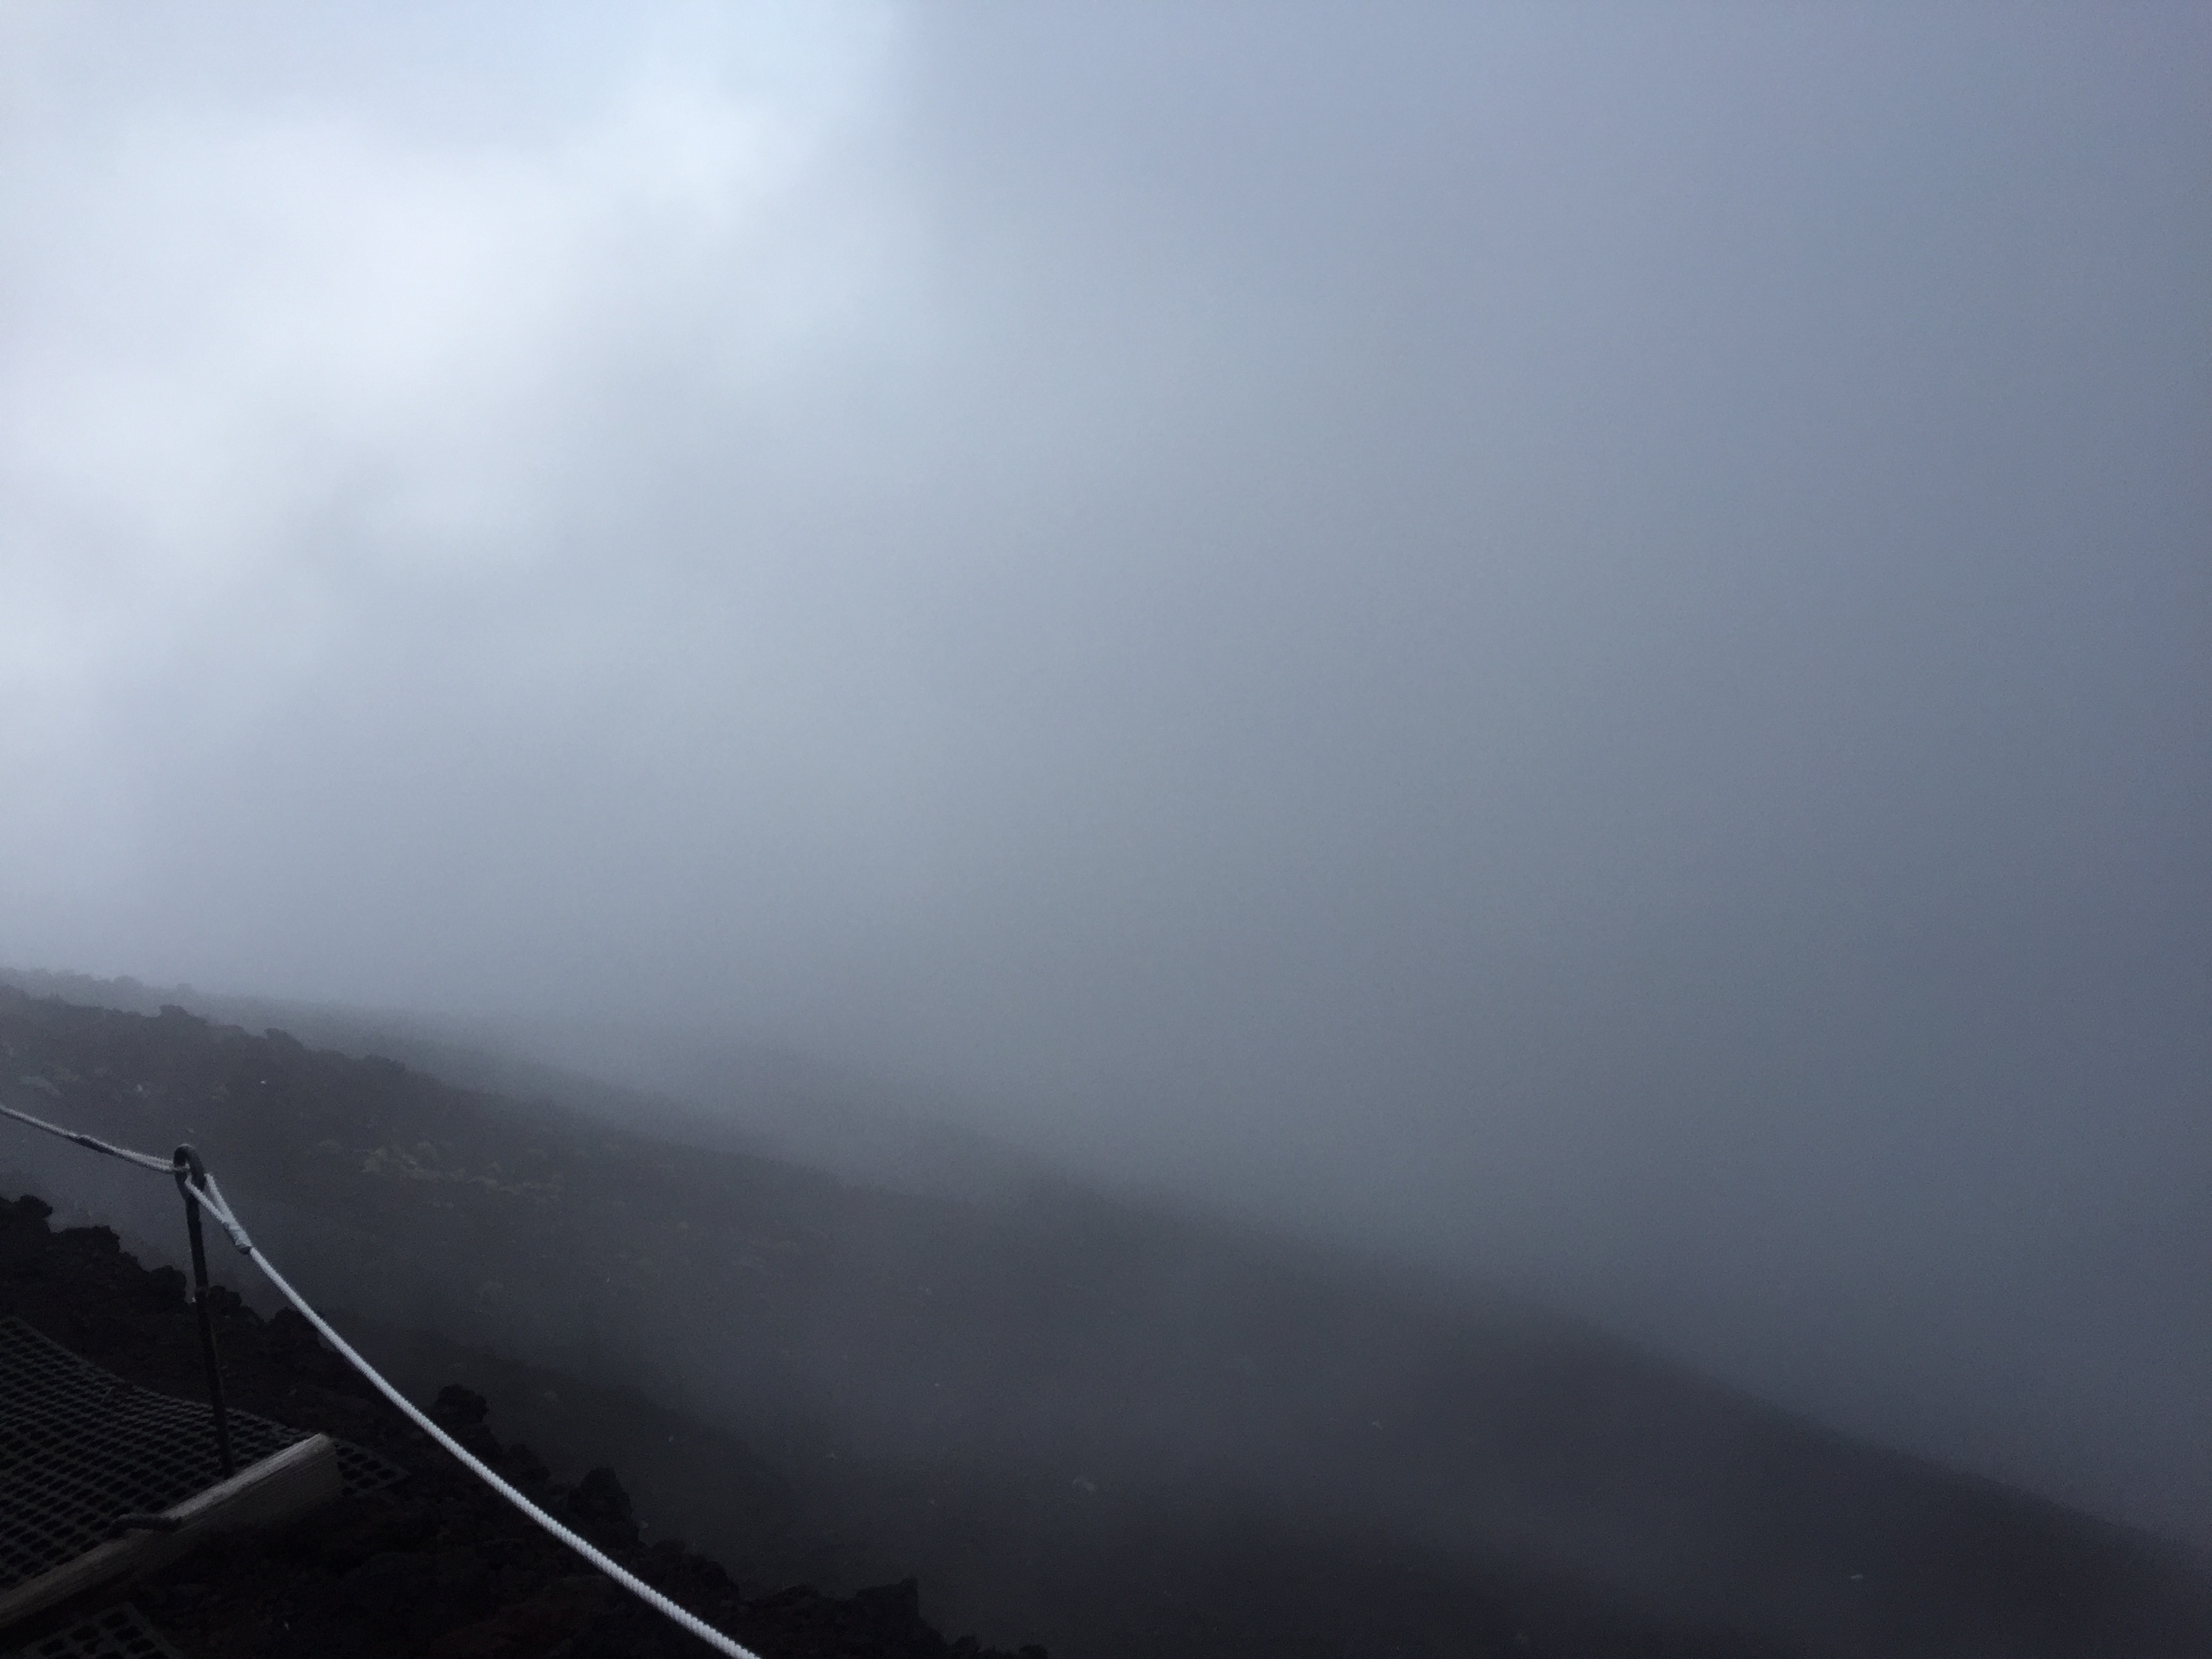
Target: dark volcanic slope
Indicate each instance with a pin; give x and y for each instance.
(1113, 1429)
(437, 1566)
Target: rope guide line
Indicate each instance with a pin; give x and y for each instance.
(204, 1194)
(143, 1160)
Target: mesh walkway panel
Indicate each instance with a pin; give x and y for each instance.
(118, 1632)
(80, 1446)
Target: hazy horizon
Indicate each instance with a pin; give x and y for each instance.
(1573, 641)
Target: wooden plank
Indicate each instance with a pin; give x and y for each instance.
(290, 1482)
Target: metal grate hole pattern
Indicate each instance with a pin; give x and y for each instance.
(362, 1470)
(118, 1632)
(80, 1446)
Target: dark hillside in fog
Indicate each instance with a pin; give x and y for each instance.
(433, 1563)
(1111, 1427)
(735, 1097)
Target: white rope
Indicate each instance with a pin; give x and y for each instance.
(210, 1198)
(211, 1201)
(636, 1586)
(144, 1160)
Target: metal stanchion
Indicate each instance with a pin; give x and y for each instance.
(188, 1163)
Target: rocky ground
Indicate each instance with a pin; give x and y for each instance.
(436, 1566)
(1079, 1419)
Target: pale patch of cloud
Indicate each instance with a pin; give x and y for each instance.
(274, 365)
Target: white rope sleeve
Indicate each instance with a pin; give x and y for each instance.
(144, 1160)
(211, 1199)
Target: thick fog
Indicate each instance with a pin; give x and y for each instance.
(1578, 640)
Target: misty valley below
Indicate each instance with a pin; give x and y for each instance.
(1101, 1423)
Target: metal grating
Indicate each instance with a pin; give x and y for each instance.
(118, 1632)
(80, 1446)
(364, 1470)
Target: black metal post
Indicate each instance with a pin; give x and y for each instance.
(188, 1163)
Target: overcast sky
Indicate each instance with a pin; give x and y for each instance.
(1577, 639)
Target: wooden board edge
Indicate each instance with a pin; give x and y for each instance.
(301, 1477)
